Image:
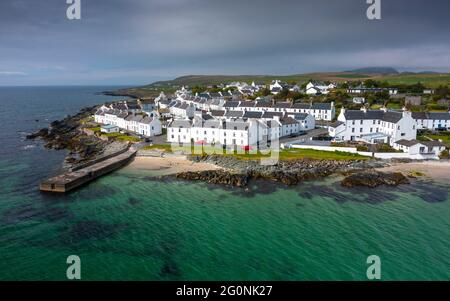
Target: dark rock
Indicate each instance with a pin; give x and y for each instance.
(374, 178)
(67, 134)
(216, 177)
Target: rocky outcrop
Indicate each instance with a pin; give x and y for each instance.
(290, 172)
(216, 177)
(373, 179)
(67, 134)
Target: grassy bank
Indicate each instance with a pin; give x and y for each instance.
(284, 154)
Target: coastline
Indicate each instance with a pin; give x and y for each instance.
(167, 165)
(434, 170)
(180, 165)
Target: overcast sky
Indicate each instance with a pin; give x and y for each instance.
(139, 41)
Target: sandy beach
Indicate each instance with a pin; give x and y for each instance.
(436, 170)
(167, 165)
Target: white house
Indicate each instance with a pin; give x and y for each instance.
(414, 147)
(182, 110)
(359, 100)
(374, 126)
(306, 121)
(432, 120)
(361, 90)
(318, 88)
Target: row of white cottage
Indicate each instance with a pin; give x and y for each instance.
(235, 128)
(140, 123)
(187, 107)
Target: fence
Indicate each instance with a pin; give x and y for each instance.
(353, 150)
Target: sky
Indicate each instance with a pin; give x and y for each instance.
(136, 42)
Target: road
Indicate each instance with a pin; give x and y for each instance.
(308, 136)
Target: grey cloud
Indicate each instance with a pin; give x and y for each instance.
(148, 40)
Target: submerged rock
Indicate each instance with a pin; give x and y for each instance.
(216, 177)
(374, 178)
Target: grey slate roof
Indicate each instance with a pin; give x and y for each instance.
(392, 117)
(234, 114)
(252, 114)
(321, 106)
(217, 113)
(419, 115)
(410, 143)
(439, 116)
(263, 104)
(283, 105)
(231, 104)
(361, 115)
(247, 104)
(300, 116)
(288, 120)
(301, 105)
(271, 115)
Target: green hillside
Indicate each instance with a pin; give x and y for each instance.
(431, 80)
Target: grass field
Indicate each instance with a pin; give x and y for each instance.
(169, 86)
(122, 137)
(285, 154)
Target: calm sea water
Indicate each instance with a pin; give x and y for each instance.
(130, 226)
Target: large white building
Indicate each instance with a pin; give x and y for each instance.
(229, 134)
(373, 126)
(320, 111)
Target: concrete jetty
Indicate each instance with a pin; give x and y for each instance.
(73, 179)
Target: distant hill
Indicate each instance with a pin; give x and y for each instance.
(431, 80)
(375, 70)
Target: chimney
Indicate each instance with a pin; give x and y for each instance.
(383, 108)
(406, 113)
(364, 109)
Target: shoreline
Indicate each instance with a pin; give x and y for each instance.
(180, 165)
(435, 170)
(167, 165)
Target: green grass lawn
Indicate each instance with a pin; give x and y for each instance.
(95, 129)
(122, 137)
(394, 106)
(284, 154)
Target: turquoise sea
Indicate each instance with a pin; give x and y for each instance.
(130, 226)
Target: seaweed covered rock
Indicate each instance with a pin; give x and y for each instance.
(374, 178)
